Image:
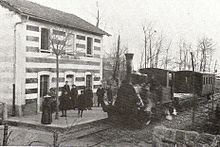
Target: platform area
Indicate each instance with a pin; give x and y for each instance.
(63, 123)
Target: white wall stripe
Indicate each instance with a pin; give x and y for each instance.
(47, 55)
(63, 66)
(96, 82)
(32, 33)
(80, 83)
(31, 86)
(31, 96)
(32, 43)
(31, 75)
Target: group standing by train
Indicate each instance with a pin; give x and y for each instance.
(148, 90)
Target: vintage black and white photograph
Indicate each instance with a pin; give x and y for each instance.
(110, 73)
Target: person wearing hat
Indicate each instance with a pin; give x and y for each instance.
(100, 94)
(73, 95)
(47, 111)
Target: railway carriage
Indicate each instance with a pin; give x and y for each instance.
(202, 84)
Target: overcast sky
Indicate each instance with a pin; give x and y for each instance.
(188, 19)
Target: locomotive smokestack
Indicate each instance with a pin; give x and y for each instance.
(129, 58)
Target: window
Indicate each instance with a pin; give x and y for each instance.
(97, 40)
(32, 38)
(44, 39)
(186, 80)
(80, 79)
(81, 37)
(60, 33)
(70, 44)
(32, 28)
(97, 78)
(89, 46)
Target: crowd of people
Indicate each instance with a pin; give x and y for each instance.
(70, 99)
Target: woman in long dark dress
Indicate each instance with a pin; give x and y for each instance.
(74, 95)
(47, 111)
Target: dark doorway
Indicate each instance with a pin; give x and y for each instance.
(89, 81)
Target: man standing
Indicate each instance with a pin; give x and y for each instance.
(81, 103)
(100, 94)
(73, 95)
(64, 103)
(66, 87)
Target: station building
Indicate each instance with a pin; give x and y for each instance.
(27, 61)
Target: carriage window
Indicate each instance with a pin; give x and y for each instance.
(186, 78)
(170, 79)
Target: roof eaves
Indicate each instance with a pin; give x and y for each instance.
(9, 6)
(16, 10)
(65, 25)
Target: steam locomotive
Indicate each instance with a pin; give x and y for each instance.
(153, 92)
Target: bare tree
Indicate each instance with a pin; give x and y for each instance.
(157, 50)
(148, 38)
(59, 45)
(167, 59)
(206, 50)
(117, 58)
(184, 55)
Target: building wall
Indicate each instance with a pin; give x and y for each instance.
(38, 63)
(7, 56)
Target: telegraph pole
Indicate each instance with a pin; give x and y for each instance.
(194, 97)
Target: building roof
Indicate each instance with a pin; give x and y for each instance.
(43, 13)
(199, 72)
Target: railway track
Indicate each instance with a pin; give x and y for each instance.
(86, 130)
